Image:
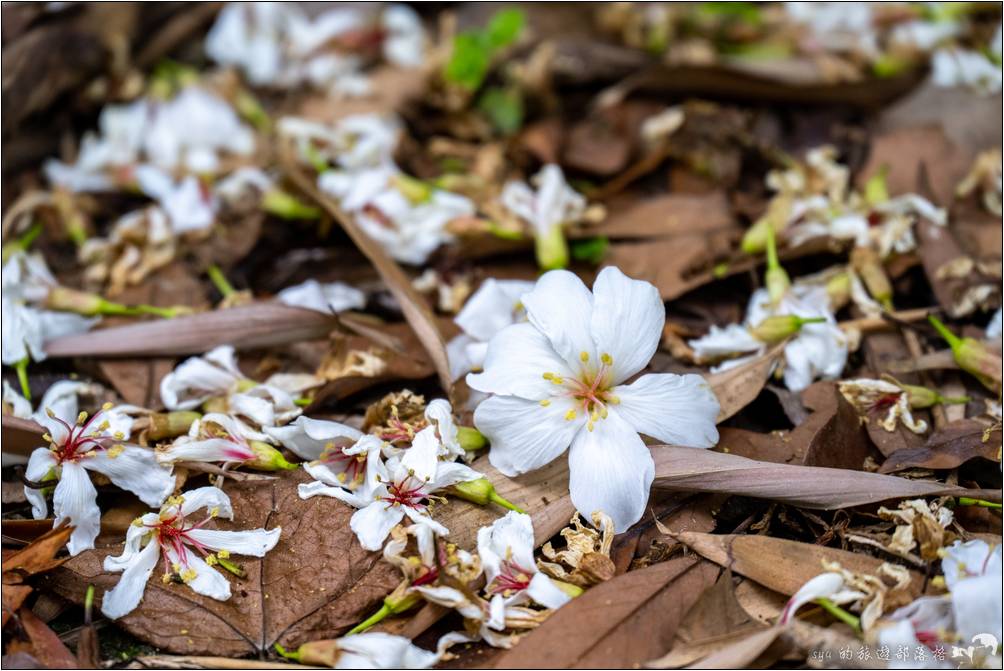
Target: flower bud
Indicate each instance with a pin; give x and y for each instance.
(171, 424)
(838, 289)
(876, 190)
(774, 220)
(551, 248)
(287, 206)
(267, 458)
(71, 300)
(470, 438)
(972, 356)
(415, 190)
(314, 653)
(868, 265)
(568, 588)
(481, 492)
(775, 329)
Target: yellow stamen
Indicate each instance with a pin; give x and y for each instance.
(604, 413)
(606, 358)
(545, 402)
(188, 575)
(584, 356)
(214, 511)
(223, 554)
(613, 400)
(107, 406)
(590, 426)
(82, 417)
(115, 450)
(570, 415)
(211, 560)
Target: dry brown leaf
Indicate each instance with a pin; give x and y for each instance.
(779, 564)
(619, 623)
(737, 387)
(950, 447)
(244, 327)
(44, 643)
(37, 557)
(688, 469)
(20, 436)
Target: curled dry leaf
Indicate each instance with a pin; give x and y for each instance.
(737, 387)
(244, 327)
(687, 469)
(38, 557)
(43, 643)
(949, 447)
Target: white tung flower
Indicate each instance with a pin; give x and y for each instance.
(188, 204)
(329, 298)
(554, 203)
(309, 438)
(558, 381)
(400, 487)
(214, 375)
(495, 305)
(511, 575)
(189, 550)
(824, 586)
(79, 444)
(216, 437)
(878, 396)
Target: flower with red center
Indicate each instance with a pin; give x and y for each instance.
(189, 550)
(82, 443)
(886, 400)
(511, 575)
(559, 382)
(344, 466)
(399, 488)
(221, 438)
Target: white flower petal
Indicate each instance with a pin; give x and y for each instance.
(509, 537)
(20, 406)
(62, 399)
(330, 298)
(976, 604)
(525, 435)
(126, 595)
(379, 650)
(627, 320)
(676, 409)
(254, 542)
(439, 413)
(610, 470)
(491, 308)
(133, 544)
(211, 498)
(725, 342)
(970, 560)
(422, 457)
(543, 591)
(307, 490)
(200, 378)
(207, 581)
(561, 307)
(134, 469)
(824, 585)
(517, 359)
(450, 473)
(209, 450)
(75, 499)
(372, 523)
(306, 437)
(40, 463)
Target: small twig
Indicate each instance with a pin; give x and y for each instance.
(887, 321)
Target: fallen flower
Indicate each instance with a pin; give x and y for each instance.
(371, 650)
(329, 298)
(880, 397)
(89, 443)
(171, 535)
(495, 305)
(217, 437)
(401, 487)
(557, 382)
(547, 210)
(511, 574)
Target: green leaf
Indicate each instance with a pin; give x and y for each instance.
(469, 62)
(591, 250)
(505, 27)
(504, 107)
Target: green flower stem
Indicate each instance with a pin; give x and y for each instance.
(230, 566)
(775, 277)
(836, 611)
(470, 438)
(495, 498)
(953, 340)
(23, 243)
(303, 401)
(88, 604)
(384, 612)
(220, 281)
(293, 655)
(966, 501)
(22, 376)
(551, 248)
(953, 400)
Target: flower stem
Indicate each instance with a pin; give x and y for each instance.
(23, 243)
(219, 281)
(88, 604)
(966, 501)
(294, 655)
(953, 400)
(385, 610)
(953, 340)
(22, 376)
(495, 498)
(836, 611)
(551, 248)
(230, 566)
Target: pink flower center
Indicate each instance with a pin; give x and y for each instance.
(173, 534)
(78, 442)
(408, 492)
(512, 578)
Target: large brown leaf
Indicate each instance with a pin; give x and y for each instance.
(620, 623)
(779, 564)
(737, 387)
(952, 446)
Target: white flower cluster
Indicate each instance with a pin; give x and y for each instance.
(407, 217)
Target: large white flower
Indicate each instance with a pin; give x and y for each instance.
(81, 443)
(495, 305)
(189, 550)
(400, 487)
(511, 575)
(559, 381)
(215, 375)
